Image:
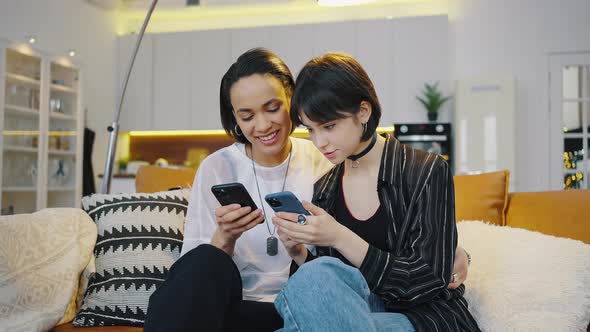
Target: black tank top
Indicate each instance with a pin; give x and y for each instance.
(372, 230)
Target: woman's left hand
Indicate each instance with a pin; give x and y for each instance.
(460, 267)
(320, 229)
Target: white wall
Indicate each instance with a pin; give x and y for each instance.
(507, 37)
(60, 25)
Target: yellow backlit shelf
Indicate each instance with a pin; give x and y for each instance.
(17, 189)
(26, 149)
(60, 189)
(16, 78)
(59, 116)
(62, 153)
(19, 110)
(299, 132)
(62, 88)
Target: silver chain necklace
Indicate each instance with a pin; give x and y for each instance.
(272, 244)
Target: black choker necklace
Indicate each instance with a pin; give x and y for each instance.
(355, 157)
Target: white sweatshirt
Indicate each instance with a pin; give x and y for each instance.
(263, 276)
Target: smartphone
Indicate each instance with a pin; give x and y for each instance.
(285, 201)
(233, 193)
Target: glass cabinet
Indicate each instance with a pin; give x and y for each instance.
(42, 129)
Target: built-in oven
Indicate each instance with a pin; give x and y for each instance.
(431, 137)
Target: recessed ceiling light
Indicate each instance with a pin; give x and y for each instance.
(72, 53)
(32, 40)
(338, 3)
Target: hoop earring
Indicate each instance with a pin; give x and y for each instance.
(238, 131)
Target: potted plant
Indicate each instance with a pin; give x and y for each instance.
(122, 164)
(432, 100)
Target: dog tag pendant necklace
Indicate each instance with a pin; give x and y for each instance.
(272, 243)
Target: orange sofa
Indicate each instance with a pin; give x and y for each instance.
(478, 197)
(485, 196)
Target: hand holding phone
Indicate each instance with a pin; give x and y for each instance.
(286, 201)
(233, 193)
(326, 231)
(231, 222)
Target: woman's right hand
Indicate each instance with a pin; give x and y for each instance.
(296, 250)
(232, 221)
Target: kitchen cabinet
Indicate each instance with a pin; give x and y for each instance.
(420, 54)
(172, 80)
(291, 43)
(245, 39)
(210, 59)
(334, 37)
(175, 84)
(137, 110)
(375, 52)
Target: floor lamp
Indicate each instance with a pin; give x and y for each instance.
(114, 127)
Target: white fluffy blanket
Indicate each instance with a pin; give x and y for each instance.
(41, 258)
(521, 280)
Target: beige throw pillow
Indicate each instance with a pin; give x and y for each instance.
(41, 258)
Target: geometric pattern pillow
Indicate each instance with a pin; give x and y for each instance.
(139, 238)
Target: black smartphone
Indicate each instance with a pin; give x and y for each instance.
(285, 201)
(233, 193)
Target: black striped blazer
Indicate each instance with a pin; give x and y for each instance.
(416, 188)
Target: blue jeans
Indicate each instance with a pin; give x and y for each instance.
(328, 295)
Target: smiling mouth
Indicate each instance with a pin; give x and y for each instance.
(269, 137)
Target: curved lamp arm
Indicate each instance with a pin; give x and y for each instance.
(114, 127)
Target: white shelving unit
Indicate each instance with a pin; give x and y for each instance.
(42, 128)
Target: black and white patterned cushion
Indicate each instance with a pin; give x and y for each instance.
(139, 238)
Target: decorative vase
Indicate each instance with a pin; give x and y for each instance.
(432, 116)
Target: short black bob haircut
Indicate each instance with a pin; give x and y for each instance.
(332, 86)
(255, 61)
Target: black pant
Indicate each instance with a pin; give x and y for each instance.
(203, 292)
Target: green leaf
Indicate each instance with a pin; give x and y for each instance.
(431, 98)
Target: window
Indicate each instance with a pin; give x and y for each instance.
(570, 119)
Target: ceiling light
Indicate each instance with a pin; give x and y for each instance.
(32, 40)
(72, 53)
(338, 3)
